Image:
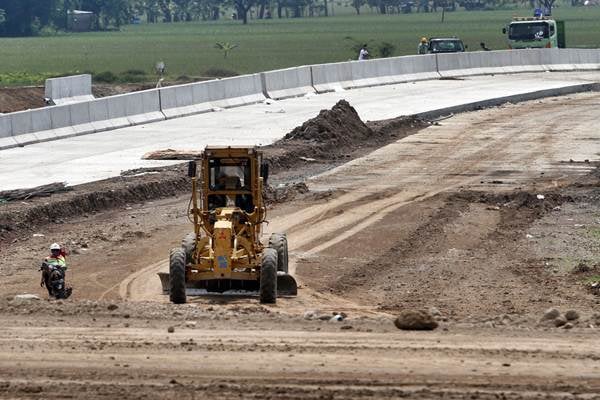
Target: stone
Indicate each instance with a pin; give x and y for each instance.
(571, 315)
(434, 311)
(560, 321)
(171, 329)
(311, 314)
(27, 297)
(551, 313)
(417, 320)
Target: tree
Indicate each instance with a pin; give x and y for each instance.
(242, 7)
(357, 4)
(25, 17)
(547, 4)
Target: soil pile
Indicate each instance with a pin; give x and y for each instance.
(18, 99)
(17, 217)
(335, 136)
(331, 138)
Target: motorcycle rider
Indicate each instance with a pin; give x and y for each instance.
(57, 260)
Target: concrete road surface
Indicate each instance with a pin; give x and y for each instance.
(92, 157)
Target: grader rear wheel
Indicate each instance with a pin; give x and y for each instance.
(278, 241)
(268, 277)
(177, 276)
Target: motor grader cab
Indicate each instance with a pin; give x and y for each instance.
(224, 253)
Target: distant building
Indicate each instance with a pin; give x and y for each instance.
(80, 21)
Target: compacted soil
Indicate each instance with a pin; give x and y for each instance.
(484, 220)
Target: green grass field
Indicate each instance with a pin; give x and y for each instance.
(188, 48)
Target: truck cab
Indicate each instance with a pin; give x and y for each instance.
(534, 32)
(445, 45)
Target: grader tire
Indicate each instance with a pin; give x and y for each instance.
(268, 277)
(278, 241)
(189, 245)
(177, 276)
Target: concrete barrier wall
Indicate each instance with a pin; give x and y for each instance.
(69, 89)
(236, 91)
(370, 72)
(414, 68)
(5, 126)
(182, 100)
(588, 59)
(496, 62)
(286, 83)
(157, 104)
(332, 77)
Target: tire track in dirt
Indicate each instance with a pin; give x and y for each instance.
(404, 172)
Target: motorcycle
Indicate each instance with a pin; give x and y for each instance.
(53, 277)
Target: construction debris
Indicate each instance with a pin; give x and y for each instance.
(170, 154)
(39, 191)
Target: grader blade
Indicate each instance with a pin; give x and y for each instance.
(286, 284)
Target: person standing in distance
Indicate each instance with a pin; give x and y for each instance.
(423, 47)
(363, 54)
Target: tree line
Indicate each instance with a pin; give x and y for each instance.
(31, 17)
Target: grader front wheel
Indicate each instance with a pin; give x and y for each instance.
(268, 276)
(177, 276)
(278, 241)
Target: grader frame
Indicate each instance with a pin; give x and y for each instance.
(224, 253)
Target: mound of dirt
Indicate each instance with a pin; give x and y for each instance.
(18, 217)
(335, 136)
(331, 138)
(23, 98)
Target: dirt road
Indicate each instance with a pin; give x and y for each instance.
(488, 217)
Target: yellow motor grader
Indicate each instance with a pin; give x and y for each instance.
(224, 253)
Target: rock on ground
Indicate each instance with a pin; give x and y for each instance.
(416, 320)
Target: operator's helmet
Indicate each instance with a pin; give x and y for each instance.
(423, 40)
(55, 246)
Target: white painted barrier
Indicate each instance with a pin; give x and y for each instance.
(99, 115)
(41, 124)
(414, 68)
(80, 118)
(332, 77)
(493, 62)
(61, 121)
(286, 83)
(201, 97)
(5, 126)
(117, 111)
(21, 122)
(143, 107)
(69, 89)
(587, 59)
(370, 72)
(182, 100)
(153, 105)
(530, 60)
(236, 91)
(7, 141)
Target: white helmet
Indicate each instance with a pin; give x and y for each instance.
(55, 246)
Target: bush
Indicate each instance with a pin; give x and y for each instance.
(105, 77)
(219, 72)
(133, 76)
(385, 49)
(25, 78)
(134, 72)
